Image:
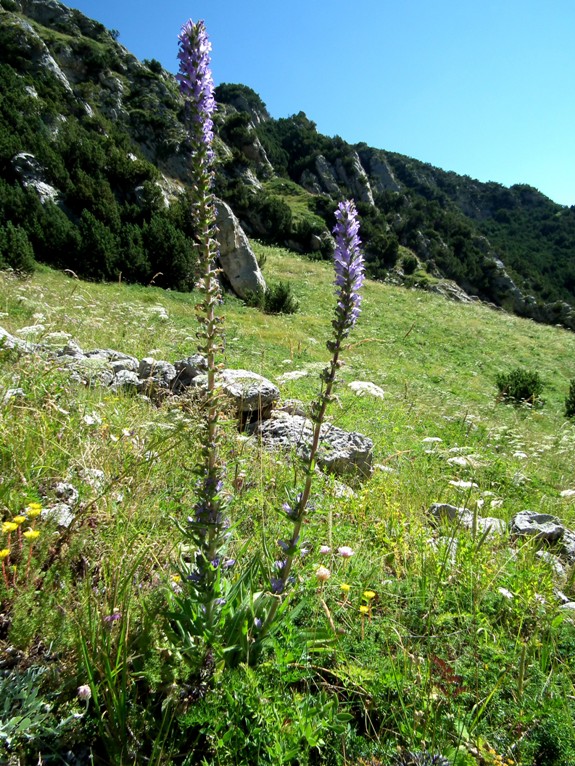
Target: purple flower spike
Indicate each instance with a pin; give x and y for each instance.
(349, 265)
(197, 86)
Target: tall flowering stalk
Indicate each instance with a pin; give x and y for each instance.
(349, 277)
(206, 526)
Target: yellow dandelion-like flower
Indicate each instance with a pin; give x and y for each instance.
(364, 609)
(176, 578)
(33, 510)
(368, 594)
(19, 520)
(4, 552)
(9, 526)
(31, 534)
(345, 587)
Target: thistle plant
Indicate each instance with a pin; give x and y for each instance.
(205, 528)
(349, 276)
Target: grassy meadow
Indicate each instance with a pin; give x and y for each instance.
(461, 647)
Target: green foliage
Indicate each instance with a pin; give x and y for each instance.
(278, 298)
(295, 724)
(570, 400)
(520, 386)
(409, 263)
(16, 252)
(241, 96)
(28, 720)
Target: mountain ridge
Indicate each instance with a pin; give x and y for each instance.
(421, 226)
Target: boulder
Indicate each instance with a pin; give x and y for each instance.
(236, 257)
(156, 375)
(463, 517)
(126, 379)
(252, 394)
(543, 526)
(11, 342)
(187, 371)
(340, 452)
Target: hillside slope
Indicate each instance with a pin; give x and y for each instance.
(103, 193)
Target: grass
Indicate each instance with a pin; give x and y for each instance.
(464, 650)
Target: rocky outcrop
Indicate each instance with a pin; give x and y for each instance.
(33, 46)
(236, 257)
(31, 175)
(253, 395)
(350, 172)
(379, 171)
(326, 177)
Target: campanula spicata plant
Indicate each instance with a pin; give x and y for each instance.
(349, 276)
(199, 595)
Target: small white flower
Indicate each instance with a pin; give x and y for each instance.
(506, 593)
(462, 461)
(323, 574)
(345, 551)
(464, 484)
(84, 693)
(325, 549)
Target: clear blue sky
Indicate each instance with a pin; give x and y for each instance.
(481, 87)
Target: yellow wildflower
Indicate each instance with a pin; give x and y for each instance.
(19, 520)
(9, 526)
(33, 510)
(368, 594)
(176, 578)
(364, 609)
(4, 552)
(31, 534)
(345, 587)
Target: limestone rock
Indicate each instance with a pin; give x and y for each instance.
(340, 452)
(252, 394)
(379, 170)
(236, 257)
(126, 379)
(543, 526)
(11, 342)
(187, 371)
(156, 374)
(31, 175)
(355, 178)
(326, 176)
(464, 518)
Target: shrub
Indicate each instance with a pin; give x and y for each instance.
(570, 400)
(277, 299)
(409, 263)
(519, 386)
(16, 252)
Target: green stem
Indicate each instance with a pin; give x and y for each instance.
(324, 400)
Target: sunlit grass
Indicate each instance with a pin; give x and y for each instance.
(442, 659)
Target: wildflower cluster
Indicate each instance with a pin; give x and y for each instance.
(202, 591)
(11, 552)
